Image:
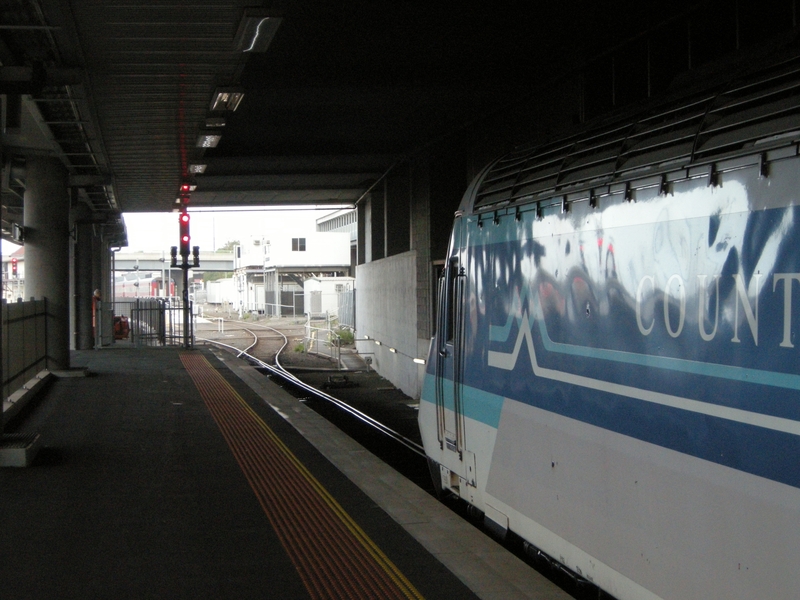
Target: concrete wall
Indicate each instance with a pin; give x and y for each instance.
(404, 225)
(386, 311)
(395, 295)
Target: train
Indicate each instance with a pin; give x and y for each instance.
(614, 375)
(141, 284)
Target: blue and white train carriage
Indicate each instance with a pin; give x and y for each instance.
(615, 375)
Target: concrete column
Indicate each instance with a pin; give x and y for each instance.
(97, 279)
(421, 243)
(361, 237)
(97, 260)
(84, 331)
(46, 208)
(73, 294)
(376, 215)
(398, 211)
(105, 286)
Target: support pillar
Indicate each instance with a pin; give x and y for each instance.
(84, 330)
(46, 213)
(105, 285)
(362, 219)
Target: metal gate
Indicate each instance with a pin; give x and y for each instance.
(152, 322)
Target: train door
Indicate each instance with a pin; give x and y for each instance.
(450, 361)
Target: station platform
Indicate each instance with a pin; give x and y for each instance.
(171, 473)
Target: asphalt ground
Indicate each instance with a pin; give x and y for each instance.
(135, 494)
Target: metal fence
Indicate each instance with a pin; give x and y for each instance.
(24, 343)
(320, 338)
(152, 322)
(291, 305)
(347, 309)
(148, 322)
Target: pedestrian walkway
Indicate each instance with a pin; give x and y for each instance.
(183, 474)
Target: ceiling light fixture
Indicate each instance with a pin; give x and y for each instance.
(227, 99)
(213, 122)
(209, 139)
(256, 30)
(197, 169)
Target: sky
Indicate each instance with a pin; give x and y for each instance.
(155, 232)
(7, 247)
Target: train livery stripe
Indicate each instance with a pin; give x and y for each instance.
(507, 362)
(737, 373)
(334, 557)
(479, 405)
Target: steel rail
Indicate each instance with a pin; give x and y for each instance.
(281, 372)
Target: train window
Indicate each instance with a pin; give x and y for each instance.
(436, 285)
(452, 298)
(440, 311)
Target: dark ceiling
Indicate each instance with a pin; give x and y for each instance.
(120, 90)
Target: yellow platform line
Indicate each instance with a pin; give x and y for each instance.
(307, 518)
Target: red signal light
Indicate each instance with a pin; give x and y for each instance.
(14, 267)
(185, 238)
(183, 198)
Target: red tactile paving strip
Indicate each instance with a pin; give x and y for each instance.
(332, 554)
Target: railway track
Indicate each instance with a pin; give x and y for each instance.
(255, 342)
(265, 347)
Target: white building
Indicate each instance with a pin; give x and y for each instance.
(270, 271)
(322, 294)
(221, 291)
(343, 221)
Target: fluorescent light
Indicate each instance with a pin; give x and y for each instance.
(419, 361)
(197, 169)
(208, 140)
(392, 350)
(256, 30)
(377, 343)
(227, 98)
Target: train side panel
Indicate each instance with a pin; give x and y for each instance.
(146, 285)
(626, 394)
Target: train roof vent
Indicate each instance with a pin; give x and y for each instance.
(727, 120)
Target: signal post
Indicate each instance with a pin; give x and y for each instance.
(185, 250)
